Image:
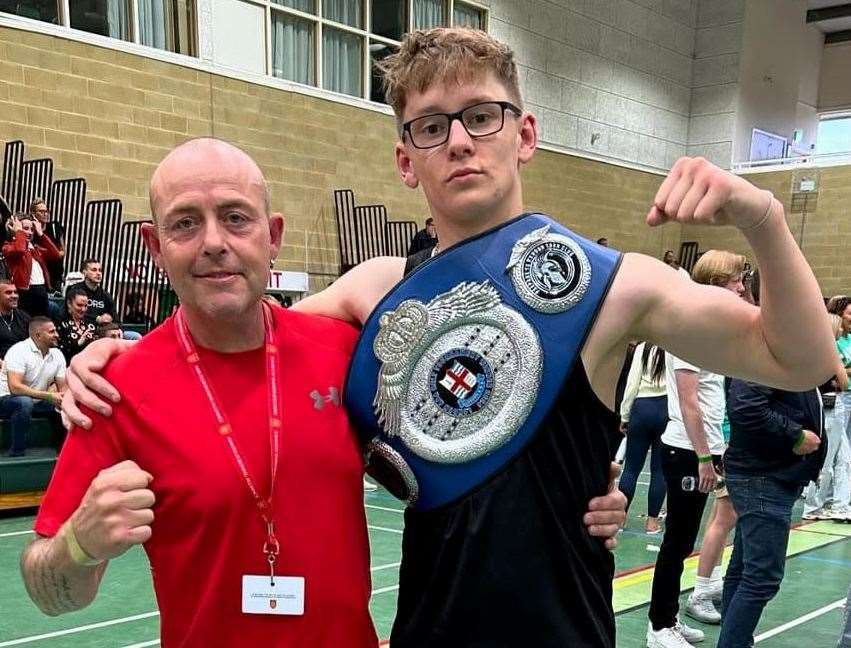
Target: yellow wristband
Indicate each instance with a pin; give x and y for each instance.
(77, 553)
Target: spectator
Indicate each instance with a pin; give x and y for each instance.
(16, 323)
(110, 330)
(670, 259)
(30, 368)
(644, 414)
(134, 312)
(692, 448)
(775, 450)
(101, 307)
(27, 255)
(56, 233)
(425, 239)
(834, 483)
(603, 241)
(76, 332)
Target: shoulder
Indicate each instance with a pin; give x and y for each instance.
(18, 352)
(317, 330)
(136, 369)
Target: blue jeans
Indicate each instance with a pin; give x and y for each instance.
(20, 410)
(764, 506)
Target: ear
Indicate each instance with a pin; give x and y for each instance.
(276, 233)
(152, 242)
(527, 137)
(406, 167)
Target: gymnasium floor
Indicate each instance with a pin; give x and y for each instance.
(807, 612)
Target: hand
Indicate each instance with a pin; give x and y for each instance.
(697, 192)
(85, 386)
(14, 224)
(116, 511)
(607, 514)
(811, 444)
(623, 427)
(37, 227)
(708, 477)
(842, 381)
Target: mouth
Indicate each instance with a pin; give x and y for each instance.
(461, 174)
(218, 275)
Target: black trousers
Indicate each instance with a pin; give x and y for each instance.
(34, 300)
(685, 511)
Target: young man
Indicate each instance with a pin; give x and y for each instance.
(219, 440)
(31, 367)
(425, 239)
(506, 560)
(15, 321)
(101, 306)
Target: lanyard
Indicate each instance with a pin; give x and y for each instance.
(271, 547)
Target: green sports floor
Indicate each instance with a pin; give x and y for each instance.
(807, 612)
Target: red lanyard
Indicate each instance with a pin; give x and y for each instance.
(271, 548)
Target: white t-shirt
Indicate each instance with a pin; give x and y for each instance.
(36, 274)
(39, 371)
(710, 398)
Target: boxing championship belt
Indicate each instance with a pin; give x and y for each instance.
(461, 362)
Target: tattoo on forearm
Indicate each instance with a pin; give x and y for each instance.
(48, 588)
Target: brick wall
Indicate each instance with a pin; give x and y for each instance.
(111, 117)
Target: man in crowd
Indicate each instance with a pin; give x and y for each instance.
(603, 241)
(16, 322)
(460, 561)
(55, 231)
(30, 368)
(101, 306)
(425, 239)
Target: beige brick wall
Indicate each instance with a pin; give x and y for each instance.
(111, 117)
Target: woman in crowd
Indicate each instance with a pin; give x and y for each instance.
(644, 414)
(75, 332)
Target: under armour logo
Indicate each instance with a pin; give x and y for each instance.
(319, 400)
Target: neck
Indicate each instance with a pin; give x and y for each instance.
(243, 332)
(454, 229)
(5, 312)
(41, 347)
(90, 285)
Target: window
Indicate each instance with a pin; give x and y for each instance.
(468, 16)
(45, 10)
(163, 24)
(834, 134)
(334, 44)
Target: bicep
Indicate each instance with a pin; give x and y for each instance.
(15, 380)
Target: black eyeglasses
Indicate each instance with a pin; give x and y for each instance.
(479, 120)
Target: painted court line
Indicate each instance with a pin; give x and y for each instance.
(382, 590)
(800, 620)
(144, 644)
(84, 628)
(16, 533)
(385, 529)
(384, 508)
(382, 567)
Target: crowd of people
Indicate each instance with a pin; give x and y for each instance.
(32, 278)
(756, 449)
(482, 401)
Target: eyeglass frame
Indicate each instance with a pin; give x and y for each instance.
(505, 105)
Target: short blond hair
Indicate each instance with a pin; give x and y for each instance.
(718, 267)
(445, 54)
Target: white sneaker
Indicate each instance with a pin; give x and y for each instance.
(818, 514)
(665, 638)
(691, 635)
(368, 486)
(701, 608)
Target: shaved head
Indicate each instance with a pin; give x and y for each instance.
(206, 153)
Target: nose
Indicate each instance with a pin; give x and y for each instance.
(459, 144)
(214, 238)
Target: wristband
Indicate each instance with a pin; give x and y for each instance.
(77, 553)
(704, 459)
(801, 438)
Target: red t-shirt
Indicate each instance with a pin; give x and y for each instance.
(207, 531)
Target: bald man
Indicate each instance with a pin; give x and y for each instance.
(206, 458)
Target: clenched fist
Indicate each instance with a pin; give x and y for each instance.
(698, 192)
(810, 444)
(116, 512)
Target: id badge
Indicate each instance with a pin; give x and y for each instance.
(261, 596)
